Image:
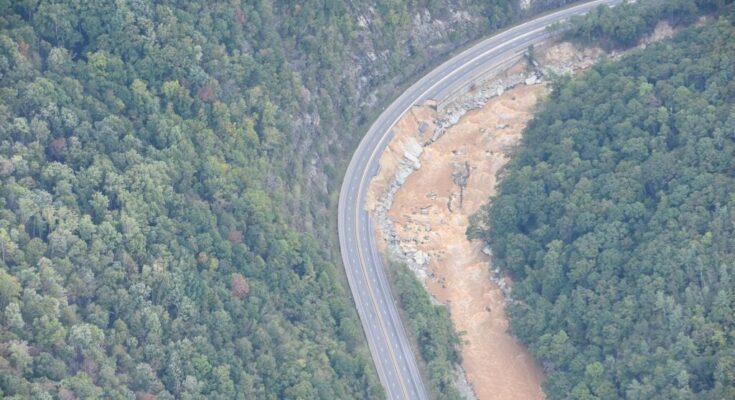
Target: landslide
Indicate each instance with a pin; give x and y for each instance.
(615, 223)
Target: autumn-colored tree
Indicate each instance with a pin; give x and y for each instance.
(239, 286)
(58, 148)
(135, 134)
(235, 236)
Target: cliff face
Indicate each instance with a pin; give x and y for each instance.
(390, 44)
(377, 57)
(165, 168)
(368, 51)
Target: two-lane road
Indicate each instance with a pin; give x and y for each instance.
(389, 346)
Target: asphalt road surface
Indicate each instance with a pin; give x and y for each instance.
(386, 336)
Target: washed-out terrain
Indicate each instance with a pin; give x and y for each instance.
(430, 212)
(437, 171)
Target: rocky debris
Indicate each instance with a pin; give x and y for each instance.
(416, 261)
(565, 58)
(498, 277)
(452, 112)
(405, 250)
(662, 31)
(488, 251)
(409, 163)
(555, 58)
(552, 59)
(532, 79)
(421, 258)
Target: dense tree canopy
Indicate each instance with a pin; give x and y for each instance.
(625, 24)
(616, 220)
(431, 327)
(166, 171)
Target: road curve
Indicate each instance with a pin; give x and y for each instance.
(386, 336)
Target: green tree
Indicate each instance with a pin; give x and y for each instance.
(614, 221)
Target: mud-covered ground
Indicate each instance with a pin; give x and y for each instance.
(426, 193)
(431, 213)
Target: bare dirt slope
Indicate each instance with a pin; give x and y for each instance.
(430, 213)
(423, 197)
(425, 193)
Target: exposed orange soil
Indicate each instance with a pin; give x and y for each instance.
(496, 365)
(459, 272)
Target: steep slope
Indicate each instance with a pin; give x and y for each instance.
(165, 169)
(615, 222)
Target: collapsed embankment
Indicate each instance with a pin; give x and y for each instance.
(438, 170)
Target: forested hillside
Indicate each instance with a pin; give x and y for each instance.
(626, 24)
(616, 221)
(432, 328)
(167, 171)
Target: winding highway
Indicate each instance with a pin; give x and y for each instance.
(386, 335)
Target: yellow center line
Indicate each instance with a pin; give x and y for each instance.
(359, 195)
(380, 319)
(364, 180)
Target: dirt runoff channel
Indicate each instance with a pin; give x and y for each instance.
(425, 194)
(430, 210)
